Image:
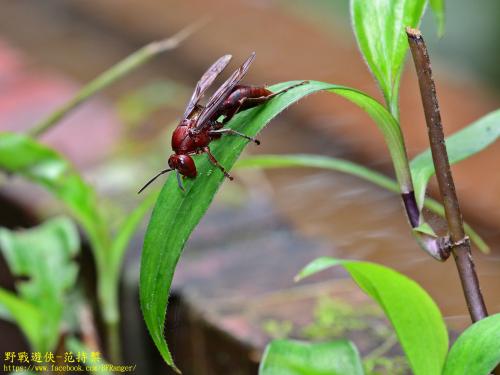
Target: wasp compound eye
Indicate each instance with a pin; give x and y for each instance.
(186, 166)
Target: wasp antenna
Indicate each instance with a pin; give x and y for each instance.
(154, 178)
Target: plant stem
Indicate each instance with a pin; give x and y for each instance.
(460, 244)
(107, 297)
(114, 73)
(113, 345)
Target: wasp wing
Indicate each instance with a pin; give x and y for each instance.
(222, 93)
(205, 81)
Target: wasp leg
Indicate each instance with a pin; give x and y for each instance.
(179, 180)
(233, 132)
(286, 89)
(216, 163)
(252, 102)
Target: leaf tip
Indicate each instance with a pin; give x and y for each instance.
(440, 32)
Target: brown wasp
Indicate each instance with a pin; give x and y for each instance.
(200, 124)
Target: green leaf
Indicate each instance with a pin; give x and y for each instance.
(289, 357)
(477, 349)
(461, 145)
(177, 213)
(379, 26)
(345, 166)
(114, 73)
(414, 315)
(318, 161)
(127, 229)
(44, 255)
(110, 277)
(426, 229)
(438, 9)
(26, 315)
(21, 155)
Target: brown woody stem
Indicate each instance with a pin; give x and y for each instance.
(460, 244)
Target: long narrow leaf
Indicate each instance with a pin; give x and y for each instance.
(379, 27)
(127, 229)
(113, 74)
(438, 9)
(415, 317)
(177, 213)
(109, 281)
(318, 161)
(461, 145)
(345, 166)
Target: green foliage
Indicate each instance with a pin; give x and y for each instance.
(385, 366)
(438, 9)
(477, 349)
(177, 213)
(277, 329)
(461, 145)
(333, 318)
(114, 258)
(345, 166)
(414, 315)
(26, 315)
(426, 229)
(379, 26)
(44, 255)
(25, 157)
(318, 161)
(288, 357)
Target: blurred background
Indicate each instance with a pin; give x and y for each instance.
(233, 288)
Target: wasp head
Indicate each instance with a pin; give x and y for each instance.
(184, 164)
